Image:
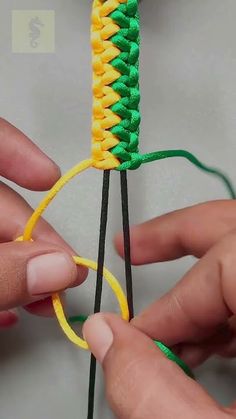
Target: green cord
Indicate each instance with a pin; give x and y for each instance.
(78, 319)
(172, 357)
(166, 351)
(160, 155)
(127, 39)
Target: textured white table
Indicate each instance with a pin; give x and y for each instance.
(188, 67)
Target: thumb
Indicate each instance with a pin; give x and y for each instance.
(140, 381)
(29, 271)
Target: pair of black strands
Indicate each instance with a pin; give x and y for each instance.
(101, 256)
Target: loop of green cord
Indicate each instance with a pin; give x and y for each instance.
(165, 350)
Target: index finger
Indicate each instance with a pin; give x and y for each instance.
(188, 231)
(200, 303)
(23, 162)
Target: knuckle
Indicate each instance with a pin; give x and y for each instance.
(228, 242)
(12, 287)
(225, 256)
(126, 390)
(181, 309)
(227, 270)
(3, 125)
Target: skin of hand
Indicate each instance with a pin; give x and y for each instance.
(196, 318)
(29, 272)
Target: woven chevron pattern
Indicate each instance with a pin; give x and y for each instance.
(116, 117)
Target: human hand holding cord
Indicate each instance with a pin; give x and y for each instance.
(196, 318)
(29, 272)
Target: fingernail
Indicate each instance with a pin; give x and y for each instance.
(98, 335)
(49, 273)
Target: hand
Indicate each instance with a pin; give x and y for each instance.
(29, 272)
(196, 318)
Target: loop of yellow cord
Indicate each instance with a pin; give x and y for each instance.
(76, 170)
(115, 286)
(112, 281)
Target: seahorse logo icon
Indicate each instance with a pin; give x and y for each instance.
(35, 26)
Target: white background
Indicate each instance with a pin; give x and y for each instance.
(188, 82)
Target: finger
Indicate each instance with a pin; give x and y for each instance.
(42, 308)
(200, 303)
(15, 213)
(140, 381)
(22, 162)
(222, 344)
(194, 354)
(8, 319)
(227, 349)
(189, 231)
(29, 271)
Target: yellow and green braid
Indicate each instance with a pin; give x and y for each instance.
(116, 116)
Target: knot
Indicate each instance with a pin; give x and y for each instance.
(134, 163)
(102, 158)
(132, 7)
(108, 7)
(128, 153)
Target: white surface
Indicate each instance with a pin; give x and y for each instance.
(188, 83)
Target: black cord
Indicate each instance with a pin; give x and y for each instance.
(99, 283)
(101, 256)
(126, 232)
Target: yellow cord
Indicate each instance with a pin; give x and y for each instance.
(85, 164)
(115, 286)
(112, 281)
(104, 74)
